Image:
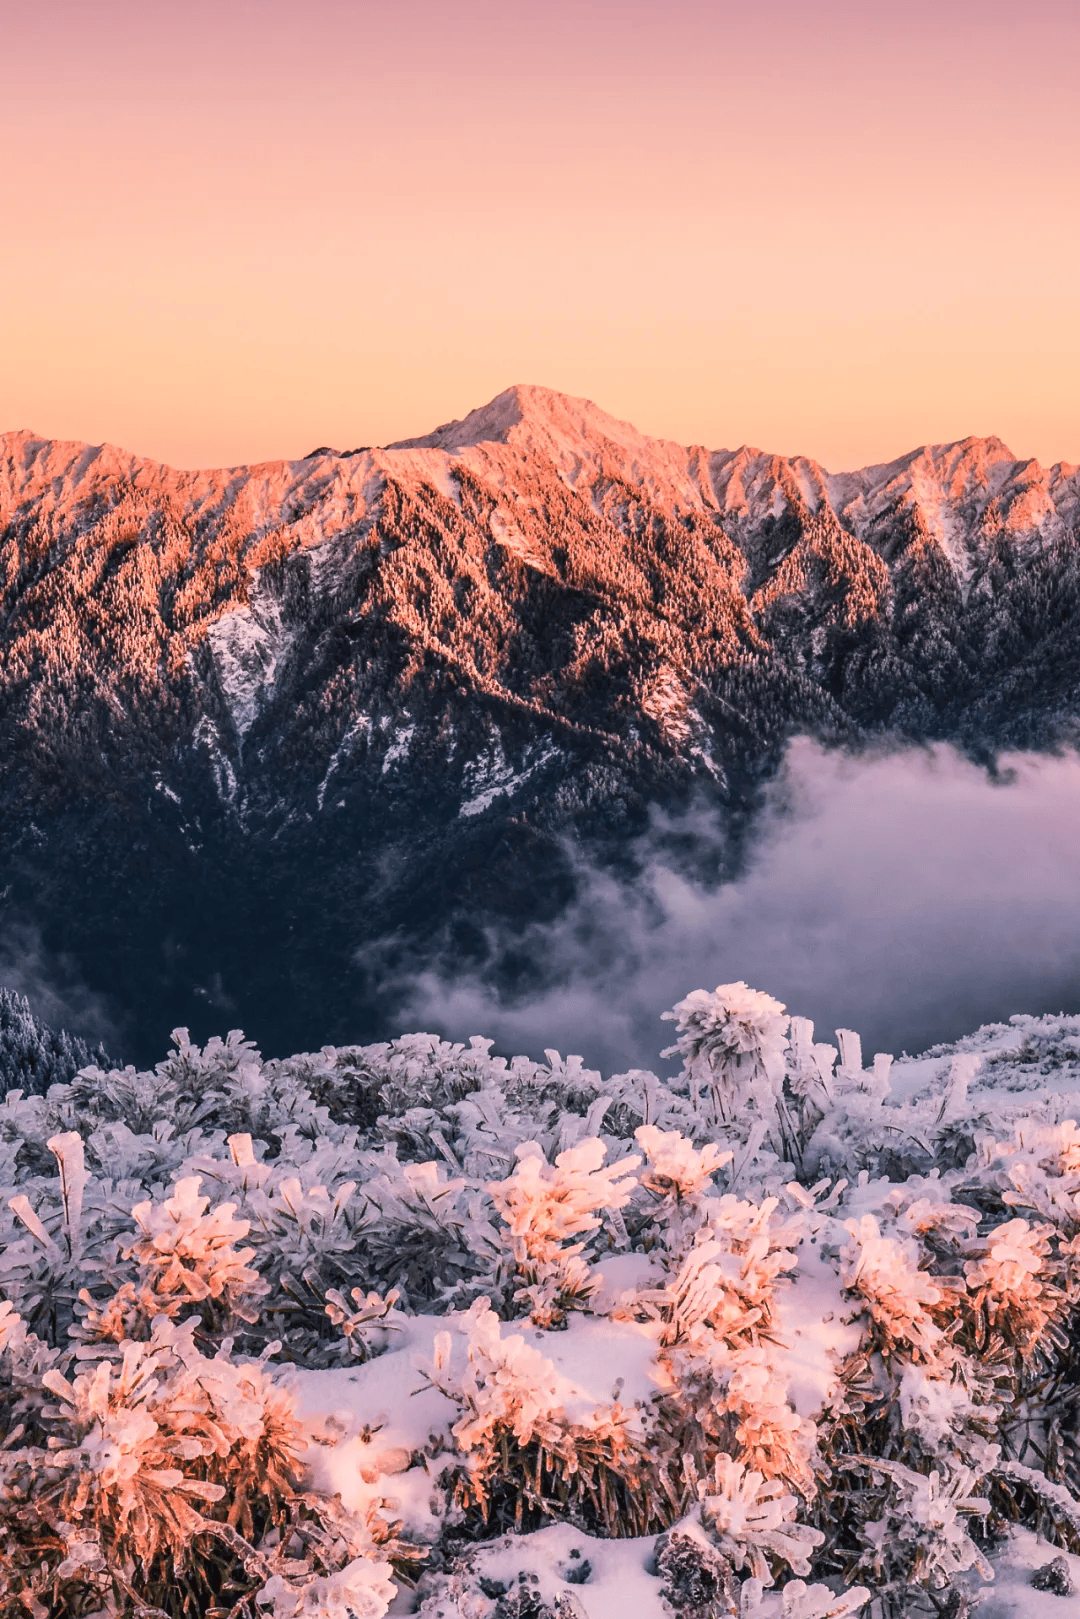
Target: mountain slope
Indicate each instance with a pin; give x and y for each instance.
(271, 728)
(34, 1057)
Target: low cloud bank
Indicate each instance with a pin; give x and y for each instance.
(54, 988)
(907, 895)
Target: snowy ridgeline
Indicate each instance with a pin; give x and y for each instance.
(411, 1328)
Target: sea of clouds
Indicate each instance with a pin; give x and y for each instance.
(908, 894)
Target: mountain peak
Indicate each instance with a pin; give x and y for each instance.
(581, 441)
(522, 411)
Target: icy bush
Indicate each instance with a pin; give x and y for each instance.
(542, 1206)
(754, 1521)
(161, 1475)
(271, 1331)
(519, 1443)
(732, 1043)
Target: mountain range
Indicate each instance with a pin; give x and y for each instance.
(275, 735)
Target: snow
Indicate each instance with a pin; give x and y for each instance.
(596, 1579)
(208, 736)
(598, 1362)
(360, 727)
(432, 466)
(582, 442)
(398, 748)
(1013, 1596)
(625, 1273)
(510, 539)
(815, 1332)
(667, 702)
(963, 491)
(809, 481)
(490, 776)
(371, 1424)
(248, 644)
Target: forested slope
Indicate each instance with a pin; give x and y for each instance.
(267, 729)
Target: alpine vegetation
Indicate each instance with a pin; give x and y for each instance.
(410, 1327)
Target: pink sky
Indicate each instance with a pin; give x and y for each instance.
(236, 230)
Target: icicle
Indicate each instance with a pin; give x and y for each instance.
(595, 1116)
(824, 1059)
(850, 1050)
(20, 1207)
(801, 1036)
(69, 1153)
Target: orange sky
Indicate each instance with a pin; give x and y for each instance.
(236, 229)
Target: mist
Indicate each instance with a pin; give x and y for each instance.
(54, 987)
(909, 895)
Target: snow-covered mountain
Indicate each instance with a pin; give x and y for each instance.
(254, 720)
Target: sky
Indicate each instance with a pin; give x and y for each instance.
(234, 231)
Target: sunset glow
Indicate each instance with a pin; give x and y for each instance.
(539, 590)
(235, 232)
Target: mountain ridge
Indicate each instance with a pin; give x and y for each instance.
(367, 696)
(516, 407)
(745, 486)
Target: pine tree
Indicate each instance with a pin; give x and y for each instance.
(33, 1056)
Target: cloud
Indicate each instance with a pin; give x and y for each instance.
(53, 987)
(908, 895)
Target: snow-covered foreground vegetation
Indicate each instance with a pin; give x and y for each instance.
(408, 1327)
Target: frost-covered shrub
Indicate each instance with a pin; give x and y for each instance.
(425, 1232)
(364, 1327)
(753, 1521)
(920, 1533)
(186, 1254)
(163, 1476)
(721, 1390)
(1014, 1297)
(899, 1297)
(678, 1177)
(732, 1043)
(816, 1320)
(544, 1206)
(523, 1456)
